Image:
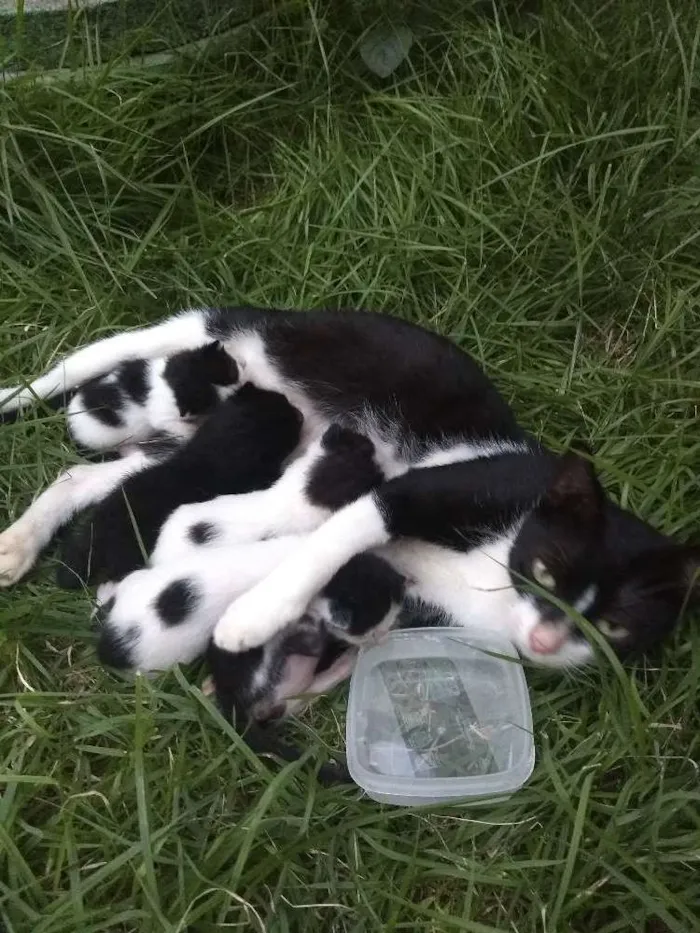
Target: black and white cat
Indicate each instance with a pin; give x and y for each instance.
(486, 524)
(141, 398)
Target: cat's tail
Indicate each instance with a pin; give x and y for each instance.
(185, 331)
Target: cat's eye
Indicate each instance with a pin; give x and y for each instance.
(613, 632)
(541, 575)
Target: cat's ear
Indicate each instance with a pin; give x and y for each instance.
(574, 489)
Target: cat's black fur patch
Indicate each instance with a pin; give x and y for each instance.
(461, 505)
(193, 375)
(352, 362)
(240, 448)
(132, 378)
(202, 533)
(103, 400)
(346, 471)
(160, 446)
(114, 648)
(175, 603)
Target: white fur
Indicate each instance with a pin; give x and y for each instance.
(586, 599)
(283, 597)
(465, 451)
(220, 575)
(183, 332)
(74, 490)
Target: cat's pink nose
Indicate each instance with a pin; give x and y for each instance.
(547, 639)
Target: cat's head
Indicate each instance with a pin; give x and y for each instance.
(633, 588)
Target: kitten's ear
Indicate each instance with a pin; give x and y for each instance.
(226, 368)
(574, 489)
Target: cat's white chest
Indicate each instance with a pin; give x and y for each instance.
(475, 587)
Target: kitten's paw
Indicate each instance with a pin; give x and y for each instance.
(253, 619)
(18, 553)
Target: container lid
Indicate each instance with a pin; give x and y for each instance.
(439, 713)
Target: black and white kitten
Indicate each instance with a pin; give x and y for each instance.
(142, 398)
(488, 525)
(165, 615)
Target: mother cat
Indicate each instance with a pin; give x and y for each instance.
(483, 521)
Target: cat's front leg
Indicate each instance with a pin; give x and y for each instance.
(283, 596)
(439, 505)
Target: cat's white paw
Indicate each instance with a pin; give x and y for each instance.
(18, 553)
(253, 619)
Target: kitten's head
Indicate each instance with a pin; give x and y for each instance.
(201, 378)
(564, 558)
(215, 365)
(362, 602)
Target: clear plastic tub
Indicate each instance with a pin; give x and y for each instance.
(438, 715)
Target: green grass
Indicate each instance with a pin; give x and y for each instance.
(531, 188)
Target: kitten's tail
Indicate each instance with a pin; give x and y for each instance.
(185, 331)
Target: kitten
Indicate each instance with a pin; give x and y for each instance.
(164, 615)
(483, 519)
(140, 398)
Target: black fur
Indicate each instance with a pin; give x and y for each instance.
(114, 648)
(350, 362)
(193, 375)
(104, 400)
(240, 448)
(361, 594)
(463, 504)
(347, 470)
(203, 533)
(132, 378)
(177, 601)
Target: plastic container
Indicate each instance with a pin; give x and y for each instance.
(435, 715)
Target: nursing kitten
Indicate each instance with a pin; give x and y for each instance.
(141, 398)
(165, 614)
(489, 525)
